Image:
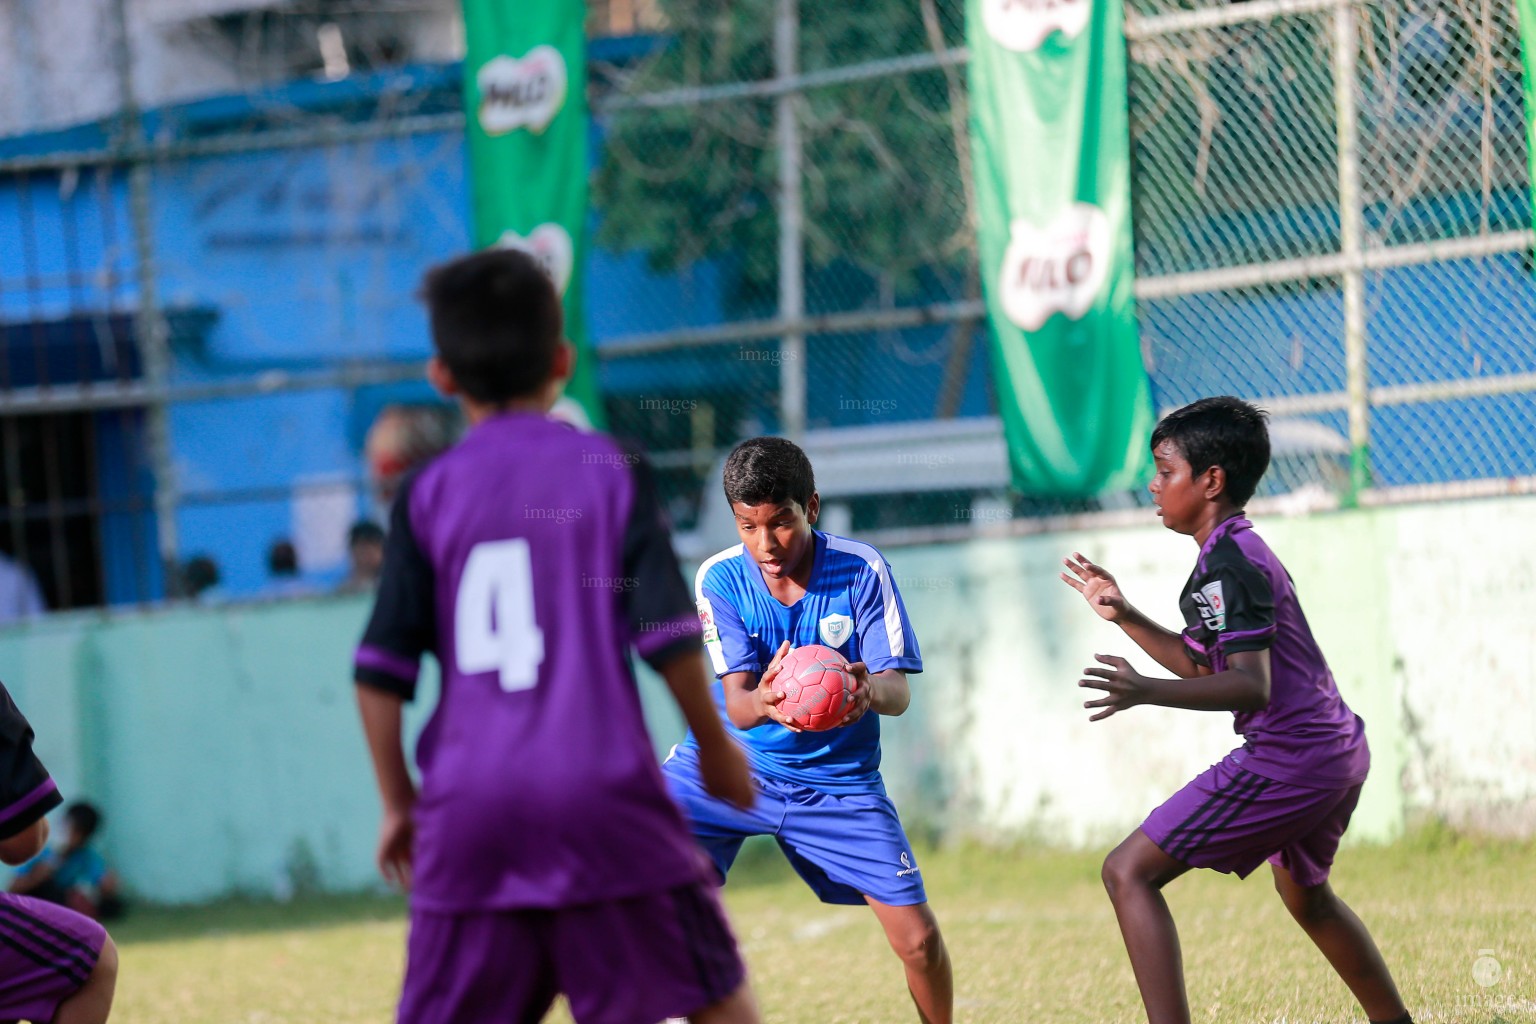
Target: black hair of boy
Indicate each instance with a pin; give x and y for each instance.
(283, 558)
(365, 531)
(496, 323)
(768, 471)
(84, 817)
(1225, 432)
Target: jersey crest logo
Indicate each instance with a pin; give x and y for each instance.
(1213, 607)
(835, 630)
(707, 621)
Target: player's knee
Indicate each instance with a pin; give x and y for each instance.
(1309, 904)
(1118, 873)
(919, 945)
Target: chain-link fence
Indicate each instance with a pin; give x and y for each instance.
(206, 306)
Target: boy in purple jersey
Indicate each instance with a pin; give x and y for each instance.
(1287, 793)
(56, 965)
(542, 852)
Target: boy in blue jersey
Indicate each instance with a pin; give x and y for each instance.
(1286, 795)
(819, 793)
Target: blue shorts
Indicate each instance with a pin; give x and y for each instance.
(845, 846)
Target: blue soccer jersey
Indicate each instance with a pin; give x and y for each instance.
(851, 604)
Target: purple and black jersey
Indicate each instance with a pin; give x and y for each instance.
(1240, 598)
(529, 560)
(26, 790)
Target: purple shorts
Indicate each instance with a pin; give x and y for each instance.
(1232, 820)
(634, 961)
(47, 953)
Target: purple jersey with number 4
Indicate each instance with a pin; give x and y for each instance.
(1240, 598)
(529, 560)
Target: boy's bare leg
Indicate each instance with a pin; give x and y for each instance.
(1344, 940)
(914, 934)
(737, 1008)
(1134, 875)
(93, 1002)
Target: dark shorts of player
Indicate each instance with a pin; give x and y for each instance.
(633, 961)
(47, 953)
(1232, 820)
(845, 846)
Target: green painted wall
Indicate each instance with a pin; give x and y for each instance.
(223, 744)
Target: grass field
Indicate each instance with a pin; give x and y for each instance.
(1031, 933)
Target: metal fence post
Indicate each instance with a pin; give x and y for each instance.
(1356, 372)
(792, 368)
(151, 333)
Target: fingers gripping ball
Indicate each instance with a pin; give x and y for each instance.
(817, 692)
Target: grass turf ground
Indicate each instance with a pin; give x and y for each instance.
(1031, 933)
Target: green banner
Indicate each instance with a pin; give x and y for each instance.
(1527, 14)
(526, 100)
(1051, 148)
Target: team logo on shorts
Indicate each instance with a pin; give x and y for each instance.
(707, 621)
(1213, 607)
(907, 867)
(835, 630)
(1022, 25)
(525, 93)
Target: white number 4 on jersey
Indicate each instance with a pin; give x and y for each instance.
(493, 625)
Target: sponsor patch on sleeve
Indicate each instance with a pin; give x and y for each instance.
(1213, 606)
(707, 621)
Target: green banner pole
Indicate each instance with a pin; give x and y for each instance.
(1051, 148)
(526, 100)
(1526, 11)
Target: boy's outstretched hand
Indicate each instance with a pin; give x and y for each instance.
(1096, 585)
(1123, 686)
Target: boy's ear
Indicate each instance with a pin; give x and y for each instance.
(1215, 483)
(441, 378)
(564, 363)
(813, 508)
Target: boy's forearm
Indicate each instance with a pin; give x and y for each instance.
(382, 714)
(1231, 690)
(890, 693)
(689, 684)
(1163, 645)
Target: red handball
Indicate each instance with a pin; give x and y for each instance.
(817, 692)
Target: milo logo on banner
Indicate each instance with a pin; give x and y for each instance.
(1058, 269)
(551, 245)
(525, 93)
(1023, 25)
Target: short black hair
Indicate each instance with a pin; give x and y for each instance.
(283, 558)
(1225, 432)
(83, 816)
(496, 322)
(767, 471)
(365, 531)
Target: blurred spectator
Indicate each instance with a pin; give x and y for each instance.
(200, 579)
(283, 579)
(402, 438)
(73, 873)
(365, 555)
(20, 597)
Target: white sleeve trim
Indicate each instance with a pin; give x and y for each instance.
(894, 635)
(716, 651)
